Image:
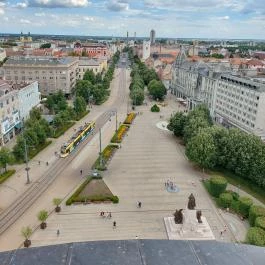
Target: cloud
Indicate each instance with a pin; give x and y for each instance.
(224, 18)
(58, 3)
(118, 5)
(24, 21)
(21, 5)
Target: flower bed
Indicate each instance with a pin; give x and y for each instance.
(118, 136)
(106, 156)
(130, 117)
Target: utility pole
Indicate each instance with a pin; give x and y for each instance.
(100, 150)
(26, 160)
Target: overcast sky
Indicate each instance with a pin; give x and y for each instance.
(169, 18)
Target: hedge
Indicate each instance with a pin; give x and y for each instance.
(254, 212)
(118, 136)
(260, 222)
(244, 205)
(6, 175)
(256, 236)
(225, 200)
(155, 108)
(235, 206)
(217, 185)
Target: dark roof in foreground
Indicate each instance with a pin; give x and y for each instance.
(138, 252)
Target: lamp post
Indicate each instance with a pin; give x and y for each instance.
(100, 150)
(27, 168)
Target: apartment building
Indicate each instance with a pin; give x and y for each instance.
(9, 112)
(233, 101)
(52, 74)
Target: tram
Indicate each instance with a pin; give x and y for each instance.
(77, 138)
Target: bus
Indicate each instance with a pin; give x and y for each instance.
(77, 138)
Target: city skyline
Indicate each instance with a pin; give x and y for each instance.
(183, 19)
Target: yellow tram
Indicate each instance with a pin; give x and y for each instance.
(77, 138)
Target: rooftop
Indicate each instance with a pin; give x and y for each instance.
(39, 60)
(138, 252)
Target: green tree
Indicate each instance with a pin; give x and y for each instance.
(5, 157)
(177, 123)
(137, 96)
(42, 217)
(90, 76)
(19, 149)
(84, 89)
(157, 90)
(79, 105)
(201, 149)
(45, 46)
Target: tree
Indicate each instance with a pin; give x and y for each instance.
(90, 76)
(79, 105)
(45, 46)
(26, 233)
(19, 149)
(42, 217)
(177, 123)
(201, 149)
(57, 202)
(137, 96)
(84, 89)
(157, 90)
(5, 157)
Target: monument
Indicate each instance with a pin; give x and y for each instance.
(188, 224)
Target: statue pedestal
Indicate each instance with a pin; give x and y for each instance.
(190, 229)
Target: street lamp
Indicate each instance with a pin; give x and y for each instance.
(26, 155)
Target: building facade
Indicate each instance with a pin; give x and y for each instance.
(97, 66)
(52, 74)
(152, 36)
(233, 101)
(146, 50)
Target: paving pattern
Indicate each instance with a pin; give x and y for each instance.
(138, 172)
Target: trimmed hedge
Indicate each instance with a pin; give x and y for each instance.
(256, 236)
(155, 108)
(118, 136)
(225, 200)
(235, 206)
(260, 222)
(244, 206)
(217, 185)
(254, 212)
(130, 117)
(6, 175)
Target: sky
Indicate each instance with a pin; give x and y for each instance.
(225, 19)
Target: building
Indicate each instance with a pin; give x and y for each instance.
(233, 101)
(152, 36)
(91, 50)
(25, 38)
(9, 112)
(2, 54)
(146, 50)
(29, 93)
(52, 74)
(85, 64)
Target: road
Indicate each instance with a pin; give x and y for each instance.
(32, 195)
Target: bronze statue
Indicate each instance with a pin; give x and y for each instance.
(191, 203)
(199, 215)
(178, 216)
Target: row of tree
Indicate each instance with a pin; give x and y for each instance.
(96, 87)
(212, 146)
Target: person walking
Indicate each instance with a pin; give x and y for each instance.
(109, 215)
(114, 224)
(47, 163)
(81, 172)
(58, 232)
(139, 204)
(39, 162)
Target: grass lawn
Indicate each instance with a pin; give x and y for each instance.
(245, 185)
(96, 187)
(6, 175)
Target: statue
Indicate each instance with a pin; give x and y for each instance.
(178, 216)
(191, 203)
(199, 215)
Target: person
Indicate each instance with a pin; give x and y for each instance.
(81, 172)
(39, 162)
(58, 232)
(114, 224)
(47, 163)
(139, 204)
(109, 215)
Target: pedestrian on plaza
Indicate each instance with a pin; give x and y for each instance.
(114, 224)
(47, 163)
(81, 172)
(39, 162)
(109, 215)
(58, 232)
(221, 233)
(139, 204)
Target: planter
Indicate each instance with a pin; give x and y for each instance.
(57, 209)
(43, 225)
(27, 243)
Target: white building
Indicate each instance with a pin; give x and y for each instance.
(2, 54)
(28, 97)
(146, 50)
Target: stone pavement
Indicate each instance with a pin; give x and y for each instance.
(148, 157)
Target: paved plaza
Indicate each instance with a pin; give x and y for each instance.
(138, 171)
